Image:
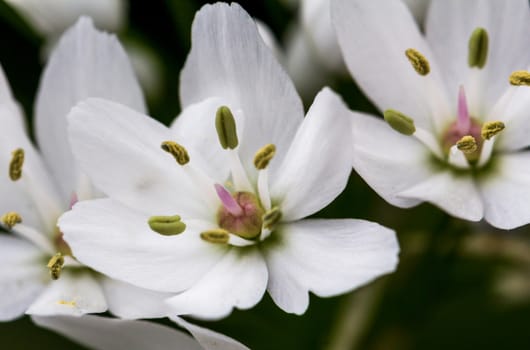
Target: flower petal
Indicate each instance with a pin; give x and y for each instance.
(506, 192)
(455, 193)
(238, 280)
(104, 333)
(316, 168)
(73, 294)
(21, 278)
(229, 60)
(388, 161)
(208, 339)
(374, 36)
(327, 257)
(131, 302)
(117, 241)
(513, 111)
(86, 63)
(119, 149)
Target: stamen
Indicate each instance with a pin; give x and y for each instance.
(225, 125)
(10, 219)
(15, 166)
(271, 218)
(467, 144)
(418, 62)
(264, 155)
(167, 225)
(55, 265)
(71, 303)
(490, 129)
(228, 201)
(478, 48)
(520, 78)
(463, 122)
(218, 236)
(177, 151)
(399, 122)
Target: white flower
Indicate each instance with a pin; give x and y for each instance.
(449, 93)
(239, 230)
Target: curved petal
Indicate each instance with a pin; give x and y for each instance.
(131, 302)
(388, 161)
(506, 192)
(316, 168)
(119, 149)
(117, 241)
(513, 111)
(453, 192)
(374, 36)
(449, 26)
(73, 294)
(229, 60)
(21, 278)
(327, 257)
(238, 280)
(85, 63)
(104, 333)
(208, 339)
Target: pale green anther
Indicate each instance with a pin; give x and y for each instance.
(399, 122)
(16, 163)
(490, 129)
(478, 48)
(467, 144)
(418, 61)
(10, 219)
(177, 151)
(56, 265)
(520, 78)
(167, 225)
(226, 128)
(264, 155)
(218, 236)
(271, 218)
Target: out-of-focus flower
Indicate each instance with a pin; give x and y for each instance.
(222, 223)
(462, 130)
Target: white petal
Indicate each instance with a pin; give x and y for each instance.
(208, 339)
(229, 60)
(318, 163)
(118, 242)
(513, 111)
(506, 191)
(327, 257)
(449, 26)
(452, 192)
(21, 276)
(119, 149)
(418, 8)
(388, 161)
(131, 302)
(238, 280)
(374, 36)
(104, 333)
(73, 294)
(86, 63)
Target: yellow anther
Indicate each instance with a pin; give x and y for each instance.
(467, 144)
(490, 129)
(478, 48)
(264, 155)
(225, 124)
(177, 151)
(15, 166)
(399, 122)
(520, 78)
(167, 225)
(71, 303)
(271, 218)
(55, 265)
(418, 61)
(10, 219)
(218, 236)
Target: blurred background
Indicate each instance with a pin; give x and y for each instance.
(458, 285)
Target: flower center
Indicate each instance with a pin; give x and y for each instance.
(246, 223)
